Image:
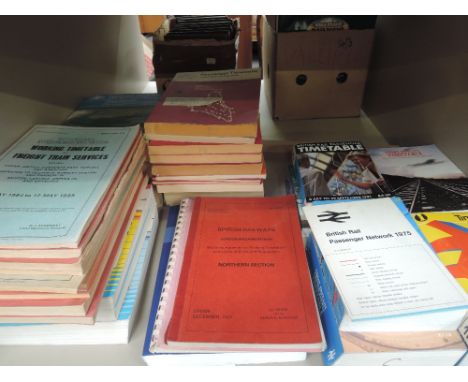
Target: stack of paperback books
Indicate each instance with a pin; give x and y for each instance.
(385, 298)
(204, 136)
(363, 251)
(233, 286)
(81, 221)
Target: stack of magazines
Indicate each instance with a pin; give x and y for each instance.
(81, 221)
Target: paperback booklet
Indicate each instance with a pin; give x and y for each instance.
(220, 103)
(235, 244)
(113, 110)
(379, 261)
(336, 170)
(447, 232)
(421, 339)
(430, 195)
(415, 162)
(155, 351)
(53, 179)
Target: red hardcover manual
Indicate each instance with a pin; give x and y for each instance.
(245, 280)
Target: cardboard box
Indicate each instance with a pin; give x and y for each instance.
(315, 74)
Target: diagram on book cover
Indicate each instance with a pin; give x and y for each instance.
(340, 174)
(218, 109)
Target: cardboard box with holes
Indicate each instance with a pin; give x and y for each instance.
(316, 66)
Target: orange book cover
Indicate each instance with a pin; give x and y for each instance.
(208, 169)
(163, 147)
(245, 280)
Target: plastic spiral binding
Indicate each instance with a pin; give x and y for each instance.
(168, 277)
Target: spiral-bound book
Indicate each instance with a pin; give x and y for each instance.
(160, 277)
(156, 351)
(245, 284)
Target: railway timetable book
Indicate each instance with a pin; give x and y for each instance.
(54, 179)
(379, 261)
(336, 170)
(244, 282)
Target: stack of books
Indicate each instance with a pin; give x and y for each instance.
(233, 286)
(362, 252)
(204, 136)
(385, 298)
(81, 224)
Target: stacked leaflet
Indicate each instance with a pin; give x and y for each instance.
(205, 310)
(67, 194)
(384, 296)
(117, 310)
(204, 136)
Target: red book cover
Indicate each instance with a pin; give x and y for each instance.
(221, 103)
(245, 280)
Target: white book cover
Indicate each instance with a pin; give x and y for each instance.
(379, 262)
(52, 179)
(415, 162)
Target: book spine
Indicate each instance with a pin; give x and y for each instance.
(162, 269)
(134, 291)
(329, 316)
(168, 277)
(300, 194)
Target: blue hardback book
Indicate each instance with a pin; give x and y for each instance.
(165, 252)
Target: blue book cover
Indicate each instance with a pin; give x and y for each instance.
(113, 101)
(113, 110)
(331, 308)
(165, 251)
(60, 175)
